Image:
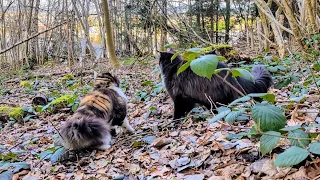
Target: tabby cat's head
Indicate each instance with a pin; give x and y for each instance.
(106, 80)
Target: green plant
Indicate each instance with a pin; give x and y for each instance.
(67, 100)
(54, 154)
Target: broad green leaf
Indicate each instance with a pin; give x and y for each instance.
(253, 131)
(291, 128)
(45, 154)
(190, 56)
(297, 135)
(74, 107)
(266, 96)
(237, 136)
(232, 116)
(25, 108)
(268, 117)
(273, 69)
(291, 156)
(184, 67)
(6, 175)
(242, 99)
(221, 58)
(222, 108)
(242, 73)
(269, 141)
(281, 68)
(316, 67)
(174, 56)
(16, 167)
(45, 107)
(221, 69)
(315, 148)
(220, 116)
(57, 155)
(283, 83)
(167, 46)
(243, 117)
(205, 66)
(298, 99)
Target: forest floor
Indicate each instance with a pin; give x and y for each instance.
(160, 148)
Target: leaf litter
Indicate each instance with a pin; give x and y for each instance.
(161, 148)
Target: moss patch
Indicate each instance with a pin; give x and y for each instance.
(62, 99)
(25, 84)
(67, 77)
(16, 113)
(4, 109)
(13, 112)
(221, 46)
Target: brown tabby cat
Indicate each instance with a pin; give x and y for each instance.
(98, 112)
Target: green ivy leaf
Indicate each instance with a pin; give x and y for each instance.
(45, 154)
(269, 141)
(314, 148)
(6, 175)
(220, 116)
(291, 156)
(242, 99)
(237, 136)
(190, 56)
(272, 69)
(297, 134)
(16, 167)
(291, 128)
(242, 73)
(184, 67)
(174, 56)
(268, 117)
(266, 96)
(205, 66)
(316, 67)
(222, 58)
(233, 116)
(283, 83)
(167, 46)
(56, 156)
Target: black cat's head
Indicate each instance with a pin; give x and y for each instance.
(167, 57)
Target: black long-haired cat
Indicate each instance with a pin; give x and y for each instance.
(188, 89)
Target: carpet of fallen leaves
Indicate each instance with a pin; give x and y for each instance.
(161, 148)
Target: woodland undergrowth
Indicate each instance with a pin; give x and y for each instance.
(277, 138)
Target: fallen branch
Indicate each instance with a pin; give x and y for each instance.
(31, 37)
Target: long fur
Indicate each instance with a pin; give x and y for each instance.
(85, 132)
(188, 89)
(98, 112)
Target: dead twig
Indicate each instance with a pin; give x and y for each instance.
(31, 37)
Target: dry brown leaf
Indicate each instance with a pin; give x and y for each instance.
(79, 175)
(162, 141)
(301, 173)
(134, 169)
(219, 178)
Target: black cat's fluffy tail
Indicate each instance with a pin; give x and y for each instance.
(262, 81)
(85, 132)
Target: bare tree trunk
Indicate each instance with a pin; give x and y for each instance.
(293, 23)
(217, 21)
(110, 44)
(34, 45)
(227, 21)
